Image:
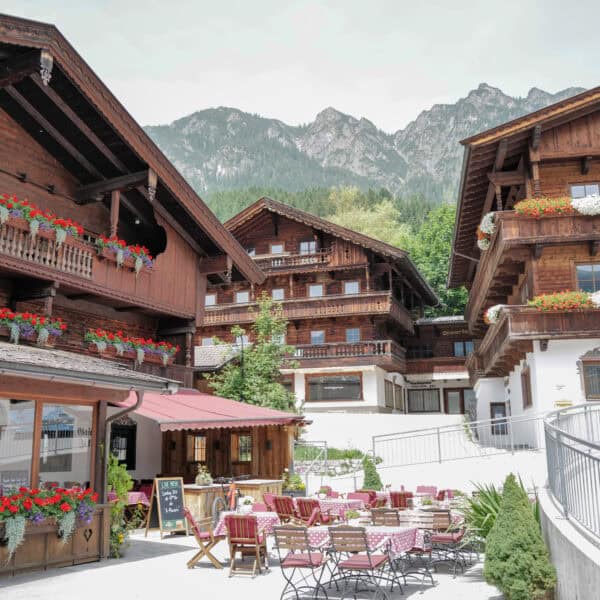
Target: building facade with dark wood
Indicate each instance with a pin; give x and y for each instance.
(77, 173)
(536, 180)
(352, 305)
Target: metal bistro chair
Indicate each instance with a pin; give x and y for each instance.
(300, 563)
(203, 533)
(418, 560)
(447, 548)
(285, 509)
(245, 538)
(355, 561)
(385, 516)
(310, 513)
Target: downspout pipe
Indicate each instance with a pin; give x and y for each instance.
(109, 420)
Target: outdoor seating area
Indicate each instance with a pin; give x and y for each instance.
(376, 542)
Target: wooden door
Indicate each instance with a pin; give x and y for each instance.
(454, 402)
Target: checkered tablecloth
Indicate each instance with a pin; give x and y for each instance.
(385, 496)
(338, 506)
(133, 498)
(401, 539)
(266, 522)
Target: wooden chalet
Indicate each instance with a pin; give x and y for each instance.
(529, 359)
(352, 304)
(70, 148)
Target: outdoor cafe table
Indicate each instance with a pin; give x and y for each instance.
(266, 521)
(401, 539)
(133, 498)
(338, 506)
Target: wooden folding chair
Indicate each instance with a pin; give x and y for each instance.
(309, 511)
(286, 511)
(385, 516)
(245, 538)
(203, 533)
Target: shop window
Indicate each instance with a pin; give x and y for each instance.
(308, 247)
(423, 400)
(278, 294)
(315, 290)
(317, 337)
(588, 277)
(526, 388)
(196, 448)
(353, 335)
(277, 248)
(324, 388)
(66, 436)
(463, 348)
(498, 413)
(241, 447)
(585, 189)
(210, 300)
(16, 443)
(122, 443)
(242, 297)
(591, 380)
(351, 287)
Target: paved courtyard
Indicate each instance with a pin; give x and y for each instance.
(157, 569)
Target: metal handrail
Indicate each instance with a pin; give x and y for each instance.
(574, 463)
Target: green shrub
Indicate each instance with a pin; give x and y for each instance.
(371, 480)
(119, 482)
(517, 559)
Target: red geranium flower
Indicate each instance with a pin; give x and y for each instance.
(65, 507)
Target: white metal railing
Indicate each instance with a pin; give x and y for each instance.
(471, 439)
(573, 457)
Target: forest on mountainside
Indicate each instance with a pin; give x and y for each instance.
(420, 226)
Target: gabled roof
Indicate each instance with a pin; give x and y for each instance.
(503, 144)
(80, 95)
(393, 253)
(190, 409)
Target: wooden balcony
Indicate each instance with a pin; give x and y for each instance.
(367, 303)
(293, 262)
(435, 364)
(383, 353)
(507, 341)
(81, 271)
(518, 239)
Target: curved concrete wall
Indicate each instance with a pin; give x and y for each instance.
(576, 559)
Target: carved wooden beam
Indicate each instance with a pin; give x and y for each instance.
(18, 67)
(506, 178)
(536, 136)
(95, 191)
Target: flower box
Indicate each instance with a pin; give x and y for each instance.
(42, 548)
(111, 255)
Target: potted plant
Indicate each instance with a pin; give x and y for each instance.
(322, 493)
(293, 485)
(203, 477)
(245, 505)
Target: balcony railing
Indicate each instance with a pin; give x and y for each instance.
(293, 261)
(507, 341)
(514, 233)
(73, 257)
(366, 303)
(349, 349)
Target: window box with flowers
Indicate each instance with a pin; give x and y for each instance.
(26, 326)
(134, 257)
(51, 527)
(565, 301)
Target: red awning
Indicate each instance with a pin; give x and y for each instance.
(190, 409)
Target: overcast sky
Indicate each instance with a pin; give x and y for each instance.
(385, 60)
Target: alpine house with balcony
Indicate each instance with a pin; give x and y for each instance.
(351, 302)
(526, 245)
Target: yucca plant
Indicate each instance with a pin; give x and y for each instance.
(481, 510)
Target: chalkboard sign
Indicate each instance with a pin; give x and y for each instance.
(168, 501)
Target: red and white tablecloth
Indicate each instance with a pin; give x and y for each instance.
(133, 498)
(383, 495)
(338, 506)
(401, 539)
(266, 522)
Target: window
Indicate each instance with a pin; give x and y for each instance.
(317, 337)
(308, 247)
(526, 388)
(288, 383)
(389, 394)
(241, 447)
(276, 248)
(16, 443)
(353, 335)
(65, 441)
(424, 400)
(463, 348)
(278, 294)
(423, 351)
(398, 400)
(498, 413)
(251, 251)
(122, 443)
(583, 190)
(323, 388)
(210, 300)
(351, 287)
(208, 341)
(588, 277)
(591, 380)
(278, 338)
(196, 448)
(453, 402)
(242, 297)
(315, 290)
(241, 340)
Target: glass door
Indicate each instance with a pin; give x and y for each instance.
(454, 402)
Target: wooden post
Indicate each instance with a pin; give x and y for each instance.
(100, 469)
(368, 282)
(115, 200)
(188, 349)
(390, 277)
(291, 285)
(201, 283)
